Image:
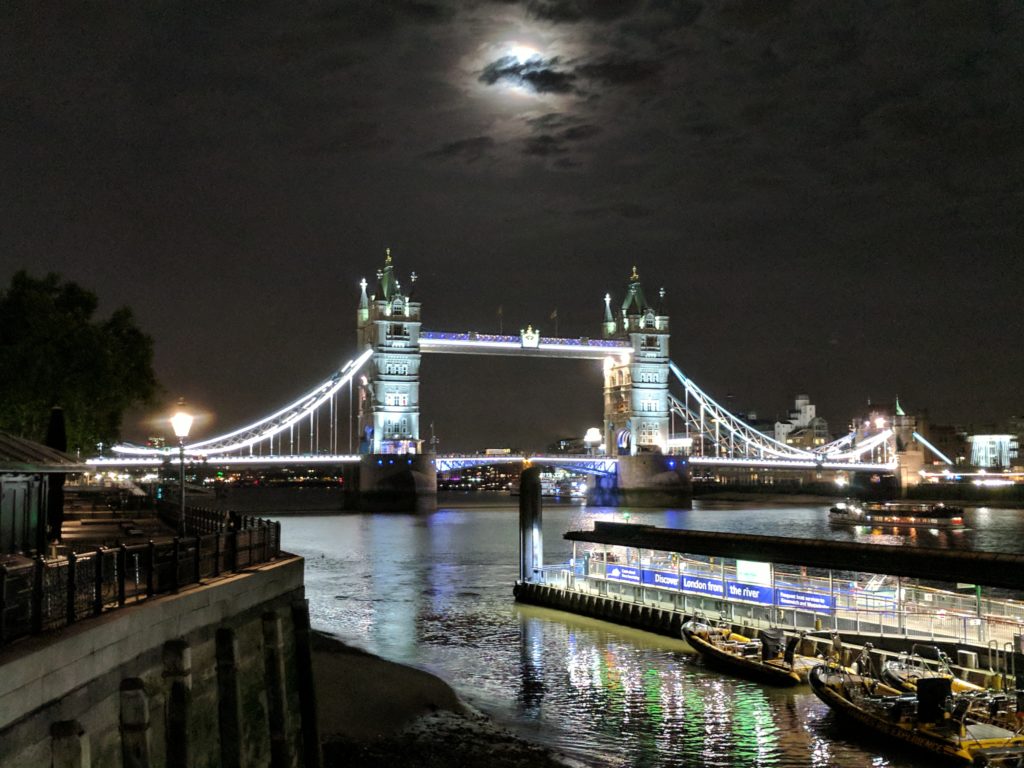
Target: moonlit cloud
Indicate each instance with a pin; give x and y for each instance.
(536, 74)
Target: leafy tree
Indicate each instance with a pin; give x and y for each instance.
(53, 352)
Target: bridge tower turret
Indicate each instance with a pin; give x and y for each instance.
(636, 406)
(388, 321)
(609, 320)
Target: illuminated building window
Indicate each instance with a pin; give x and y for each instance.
(648, 433)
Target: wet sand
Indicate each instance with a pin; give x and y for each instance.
(375, 713)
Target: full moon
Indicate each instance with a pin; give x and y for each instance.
(521, 53)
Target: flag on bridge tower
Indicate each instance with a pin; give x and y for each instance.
(554, 316)
(501, 317)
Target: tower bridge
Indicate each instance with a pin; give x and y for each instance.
(651, 435)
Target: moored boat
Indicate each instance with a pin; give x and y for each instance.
(770, 657)
(896, 514)
(904, 671)
(933, 719)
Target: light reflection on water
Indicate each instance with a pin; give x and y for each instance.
(436, 591)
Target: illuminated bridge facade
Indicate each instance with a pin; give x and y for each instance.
(653, 412)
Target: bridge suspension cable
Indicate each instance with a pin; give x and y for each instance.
(266, 429)
(716, 433)
(705, 421)
(833, 448)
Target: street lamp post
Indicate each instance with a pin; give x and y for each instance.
(181, 422)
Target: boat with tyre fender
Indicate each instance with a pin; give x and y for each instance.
(904, 671)
(933, 719)
(770, 657)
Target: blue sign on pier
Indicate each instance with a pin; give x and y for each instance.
(625, 573)
(717, 588)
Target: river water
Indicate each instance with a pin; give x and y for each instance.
(435, 591)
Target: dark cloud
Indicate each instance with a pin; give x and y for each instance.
(545, 80)
(619, 71)
(362, 19)
(353, 137)
(470, 150)
(558, 144)
(544, 145)
(551, 76)
(676, 13)
(570, 11)
(553, 121)
(537, 74)
(622, 210)
(424, 11)
(580, 132)
(753, 14)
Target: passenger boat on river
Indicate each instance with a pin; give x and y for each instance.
(933, 719)
(904, 671)
(770, 657)
(896, 514)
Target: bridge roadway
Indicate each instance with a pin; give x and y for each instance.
(585, 464)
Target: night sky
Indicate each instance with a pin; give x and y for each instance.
(831, 193)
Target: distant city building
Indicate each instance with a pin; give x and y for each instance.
(493, 477)
(573, 445)
(951, 441)
(993, 451)
(764, 426)
(1015, 426)
(804, 428)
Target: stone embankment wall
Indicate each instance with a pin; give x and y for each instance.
(218, 675)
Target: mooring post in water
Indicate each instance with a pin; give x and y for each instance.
(531, 538)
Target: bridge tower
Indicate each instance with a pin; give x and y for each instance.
(394, 471)
(636, 407)
(388, 321)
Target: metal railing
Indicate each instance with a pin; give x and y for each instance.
(45, 594)
(948, 616)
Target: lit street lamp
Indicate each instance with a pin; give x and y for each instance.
(181, 422)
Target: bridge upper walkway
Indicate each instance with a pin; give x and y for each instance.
(517, 346)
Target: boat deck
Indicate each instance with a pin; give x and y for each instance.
(981, 731)
(801, 664)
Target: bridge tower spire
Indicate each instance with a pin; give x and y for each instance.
(388, 322)
(636, 405)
